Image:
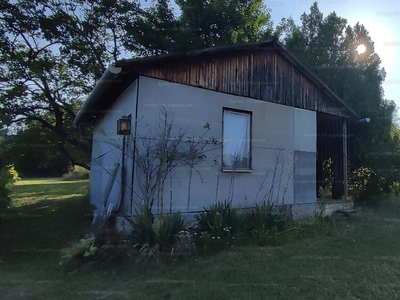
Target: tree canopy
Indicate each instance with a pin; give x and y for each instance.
(54, 51)
(52, 54)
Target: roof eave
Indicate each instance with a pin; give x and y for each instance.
(126, 63)
(86, 111)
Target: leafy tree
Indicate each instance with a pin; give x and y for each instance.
(201, 24)
(52, 54)
(216, 23)
(35, 152)
(54, 51)
(156, 31)
(328, 47)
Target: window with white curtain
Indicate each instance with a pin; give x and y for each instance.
(236, 140)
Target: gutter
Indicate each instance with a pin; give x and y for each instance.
(101, 86)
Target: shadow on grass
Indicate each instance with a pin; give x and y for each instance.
(42, 228)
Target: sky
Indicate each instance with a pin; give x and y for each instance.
(380, 17)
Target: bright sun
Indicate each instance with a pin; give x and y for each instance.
(361, 48)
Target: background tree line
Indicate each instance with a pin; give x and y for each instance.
(54, 51)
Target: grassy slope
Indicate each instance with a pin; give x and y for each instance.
(356, 259)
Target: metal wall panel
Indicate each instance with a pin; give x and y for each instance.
(304, 177)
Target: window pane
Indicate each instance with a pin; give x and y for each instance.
(236, 147)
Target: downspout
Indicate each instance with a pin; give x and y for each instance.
(134, 142)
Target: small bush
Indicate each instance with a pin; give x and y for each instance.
(154, 236)
(368, 187)
(8, 176)
(76, 173)
(79, 253)
(324, 193)
(104, 245)
(222, 221)
(219, 226)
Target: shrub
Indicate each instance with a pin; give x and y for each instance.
(153, 236)
(76, 173)
(79, 252)
(368, 187)
(8, 176)
(221, 225)
(324, 193)
(221, 221)
(104, 245)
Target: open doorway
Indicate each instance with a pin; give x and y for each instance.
(331, 156)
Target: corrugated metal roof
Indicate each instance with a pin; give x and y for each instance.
(118, 77)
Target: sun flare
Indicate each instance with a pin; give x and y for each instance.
(361, 49)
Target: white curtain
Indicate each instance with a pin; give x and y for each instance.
(236, 143)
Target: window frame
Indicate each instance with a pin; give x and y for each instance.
(249, 169)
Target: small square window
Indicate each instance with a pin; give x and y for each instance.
(236, 140)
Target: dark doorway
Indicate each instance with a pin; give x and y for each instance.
(331, 156)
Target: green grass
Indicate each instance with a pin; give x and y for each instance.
(46, 215)
(34, 191)
(356, 258)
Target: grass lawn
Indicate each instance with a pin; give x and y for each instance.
(356, 258)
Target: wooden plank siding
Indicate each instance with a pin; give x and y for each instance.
(262, 75)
